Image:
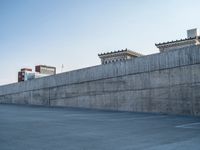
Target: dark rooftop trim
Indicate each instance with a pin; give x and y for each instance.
(125, 50)
(45, 66)
(181, 40)
(26, 69)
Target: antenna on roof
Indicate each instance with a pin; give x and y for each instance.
(62, 67)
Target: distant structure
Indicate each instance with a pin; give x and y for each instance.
(25, 74)
(62, 67)
(193, 38)
(40, 71)
(115, 56)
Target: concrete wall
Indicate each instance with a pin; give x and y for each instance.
(167, 82)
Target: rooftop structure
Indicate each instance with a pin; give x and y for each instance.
(193, 38)
(25, 74)
(119, 55)
(40, 71)
(45, 69)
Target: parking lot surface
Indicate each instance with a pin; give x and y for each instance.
(49, 128)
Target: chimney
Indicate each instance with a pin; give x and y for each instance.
(192, 33)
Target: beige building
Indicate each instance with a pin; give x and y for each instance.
(193, 38)
(115, 56)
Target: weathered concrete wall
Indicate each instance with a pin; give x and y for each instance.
(166, 82)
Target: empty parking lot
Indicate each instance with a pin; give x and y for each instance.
(43, 128)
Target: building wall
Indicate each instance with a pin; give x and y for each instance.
(167, 82)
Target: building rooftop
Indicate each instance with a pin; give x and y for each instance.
(176, 41)
(122, 51)
(45, 66)
(193, 38)
(26, 69)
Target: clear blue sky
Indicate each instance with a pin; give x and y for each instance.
(73, 32)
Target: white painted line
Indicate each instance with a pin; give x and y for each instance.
(137, 118)
(121, 119)
(90, 115)
(189, 125)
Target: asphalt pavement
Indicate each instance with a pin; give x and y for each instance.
(50, 128)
